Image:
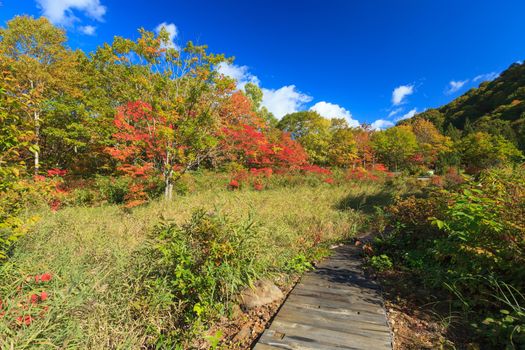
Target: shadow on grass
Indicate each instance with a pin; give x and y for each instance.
(366, 202)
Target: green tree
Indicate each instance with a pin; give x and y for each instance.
(342, 149)
(182, 89)
(480, 150)
(44, 71)
(255, 95)
(312, 131)
(395, 146)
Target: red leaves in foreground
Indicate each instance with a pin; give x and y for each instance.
(25, 309)
(46, 277)
(233, 185)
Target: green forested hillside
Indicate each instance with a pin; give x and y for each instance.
(496, 107)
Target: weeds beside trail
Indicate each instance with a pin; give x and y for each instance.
(96, 297)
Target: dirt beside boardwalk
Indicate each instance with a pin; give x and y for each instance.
(419, 319)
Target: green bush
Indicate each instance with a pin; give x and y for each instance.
(381, 262)
(113, 189)
(196, 269)
(83, 196)
(299, 264)
(467, 241)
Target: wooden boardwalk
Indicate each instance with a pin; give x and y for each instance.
(332, 307)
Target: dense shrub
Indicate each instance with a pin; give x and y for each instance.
(194, 270)
(469, 241)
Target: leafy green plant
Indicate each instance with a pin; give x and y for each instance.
(199, 267)
(381, 263)
(299, 264)
(114, 190)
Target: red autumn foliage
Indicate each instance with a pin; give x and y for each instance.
(315, 169)
(329, 181)
(24, 320)
(258, 186)
(139, 144)
(233, 185)
(26, 309)
(45, 277)
(249, 145)
(56, 172)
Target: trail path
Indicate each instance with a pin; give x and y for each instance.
(333, 307)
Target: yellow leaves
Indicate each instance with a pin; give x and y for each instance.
(477, 251)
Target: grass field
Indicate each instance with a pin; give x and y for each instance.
(92, 253)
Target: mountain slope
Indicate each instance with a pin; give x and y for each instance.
(497, 107)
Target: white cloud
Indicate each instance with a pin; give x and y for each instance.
(280, 102)
(61, 11)
(173, 32)
(331, 111)
(400, 92)
(486, 77)
(408, 115)
(285, 100)
(455, 86)
(395, 112)
(239, 73)
(88, 30)
(381, 124)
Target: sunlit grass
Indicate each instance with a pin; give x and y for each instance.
(90, 252)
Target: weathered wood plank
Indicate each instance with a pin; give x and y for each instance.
(331, 337)
(333, 307)
(337, 315)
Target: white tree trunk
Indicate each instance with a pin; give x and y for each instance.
(36, 117)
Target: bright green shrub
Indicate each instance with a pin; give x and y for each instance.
(194, 270)
(381, 262)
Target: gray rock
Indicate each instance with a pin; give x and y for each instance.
(263, 292)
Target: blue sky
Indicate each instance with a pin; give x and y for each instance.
(369, 61)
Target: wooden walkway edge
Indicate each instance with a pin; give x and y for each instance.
(333, 307)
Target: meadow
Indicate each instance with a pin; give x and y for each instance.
(95, 257)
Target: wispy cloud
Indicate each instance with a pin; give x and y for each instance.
(485, 77)
(400, 93)
(455, 86)
(409, 114)
(395, 112)
(331, 111)
(88, 30)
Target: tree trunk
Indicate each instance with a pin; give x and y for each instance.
(36, 117)
(168, 177)
(168, 190)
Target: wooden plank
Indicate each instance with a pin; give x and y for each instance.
(335, 314)
(327, 337)
(262, 346)
(328, 327)
(324, 320)
(297, 342)
(304, 290)
(331, 308)
(334, 304)
(347, 283)
(330, 289)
